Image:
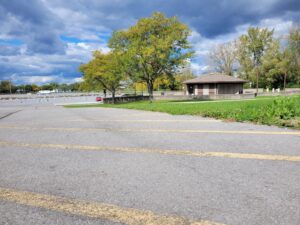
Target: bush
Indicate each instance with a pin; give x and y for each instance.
(281, 111)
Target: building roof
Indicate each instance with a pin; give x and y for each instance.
(214, 78)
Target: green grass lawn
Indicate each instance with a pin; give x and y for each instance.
(280, 111)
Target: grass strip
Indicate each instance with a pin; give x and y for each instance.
(280, 111)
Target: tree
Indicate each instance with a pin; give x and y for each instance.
(284, 65)
(244, 59)
(271, 74)
(255, 43)
(64, 87)
(294, 49)
(154, 47)
(35, 88)
(50, 86)
(105, 70)
(294, 43)
(28, 88)
(74, 86)
(7, 87)
(223, 57)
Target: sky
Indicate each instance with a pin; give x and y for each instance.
(44, 41)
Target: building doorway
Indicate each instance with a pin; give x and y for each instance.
(205, 89)
(191, 89)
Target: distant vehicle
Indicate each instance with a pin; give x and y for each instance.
(45, 92)
(99, 99)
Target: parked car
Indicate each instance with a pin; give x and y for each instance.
(99, 99)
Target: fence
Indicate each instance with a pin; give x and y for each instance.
(121, 99)
(43, 96)
(205, 97)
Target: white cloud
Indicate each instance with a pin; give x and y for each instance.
(77, 79)
(42, 79)
(32, 79)
(280, 26)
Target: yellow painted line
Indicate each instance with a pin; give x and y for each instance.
(96, 210)
(156, 151)
(81, 129)
(53, 128)
(146, 121)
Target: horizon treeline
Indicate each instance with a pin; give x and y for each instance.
(8, 87)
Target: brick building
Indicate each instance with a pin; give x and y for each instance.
(214, 84)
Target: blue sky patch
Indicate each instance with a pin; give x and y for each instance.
(77, 40)
(12, 42)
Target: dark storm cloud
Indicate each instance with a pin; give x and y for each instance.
(210, 17)
(41, 28)
(9, 50)
(287, 5)
(34, 24)
(45, 42)
(28, 11)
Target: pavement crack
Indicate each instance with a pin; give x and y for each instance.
(9, 114)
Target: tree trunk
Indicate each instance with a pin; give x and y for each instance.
(10, 87)
(150, 90)
(284, 81)
(113, 93)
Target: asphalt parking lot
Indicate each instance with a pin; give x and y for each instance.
(116, 166)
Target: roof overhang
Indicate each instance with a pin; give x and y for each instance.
(216, 82)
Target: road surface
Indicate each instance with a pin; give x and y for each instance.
(117, 166)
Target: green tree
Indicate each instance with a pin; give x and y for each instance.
(7, 87)
(54, 85)
(35, 88)
(284, 66)
(294, 49)
(47, 87)
(154, 47)
(276, 66)
(74, 86)
(244, 59)
(28, 88)
(294, 43)
(64, 87)
(105, 70)
(271, 76)
(90, 85)
(255, 44)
